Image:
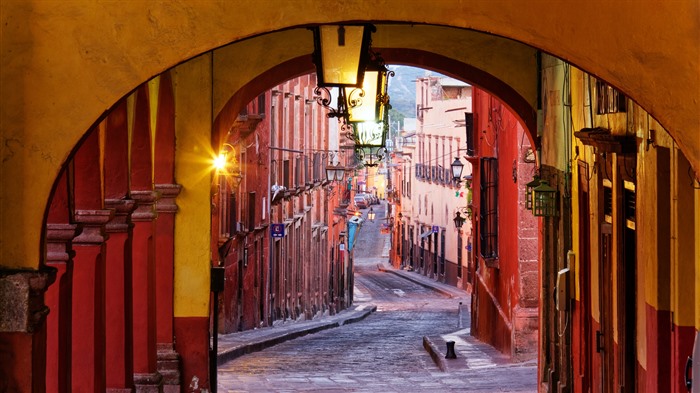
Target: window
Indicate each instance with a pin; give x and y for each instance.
(607, 201)
(488, 212)
(469, 128)
(442, 252)
(459, 255)
(286, 173)
(629, 204)
(298, 180)
(232, 217)
(261, 104)
(609, 100)
(251, 211)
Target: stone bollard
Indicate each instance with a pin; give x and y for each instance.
(459, 315)
(451, 350)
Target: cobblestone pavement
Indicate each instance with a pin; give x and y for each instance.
(383, 352)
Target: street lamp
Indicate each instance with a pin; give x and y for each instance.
(226, 165)
(335, 173)
(544, 200)
(370, 214)
(344, 59)
(457, 168)
(459, 220)
(528, 191)
(340, 54)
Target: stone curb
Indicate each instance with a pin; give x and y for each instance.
(434, 353)
(266, 342)
(416, 281)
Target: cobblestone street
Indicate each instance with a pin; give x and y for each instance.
(383, 352)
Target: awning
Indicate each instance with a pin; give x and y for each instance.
(426, 233)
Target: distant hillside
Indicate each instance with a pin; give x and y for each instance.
(402, 88)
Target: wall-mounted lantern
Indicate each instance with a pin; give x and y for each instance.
(459, 220)
(544, 202)
(457, 168)
(528, 191)
(335, 173)
(226, 165)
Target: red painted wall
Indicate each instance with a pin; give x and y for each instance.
(498, 293)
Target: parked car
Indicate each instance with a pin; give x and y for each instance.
(361, 201)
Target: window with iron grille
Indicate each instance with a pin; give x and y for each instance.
(609, 99)
(488, 212)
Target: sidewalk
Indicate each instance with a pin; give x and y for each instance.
(234, 345)
(470, 353)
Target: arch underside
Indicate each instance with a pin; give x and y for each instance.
(154, 37)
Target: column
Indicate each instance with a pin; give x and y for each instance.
(88, 302)
(168, 360)
(58, 298)
(146, 376)
(118, 347)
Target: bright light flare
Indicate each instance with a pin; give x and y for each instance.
(220, 162)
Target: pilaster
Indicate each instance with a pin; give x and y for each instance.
(59, 255)
(88, 301)
(168, 360)
(146, 376)
(119, 343)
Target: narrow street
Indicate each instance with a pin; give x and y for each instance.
(382, 353)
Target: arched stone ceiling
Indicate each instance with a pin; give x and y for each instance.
(503, 67)
(63, 65)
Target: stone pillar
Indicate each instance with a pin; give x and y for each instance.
(168, 359)
(146, 376)
(119, 345)
(59, 255)
(88, 301)
(22, 329)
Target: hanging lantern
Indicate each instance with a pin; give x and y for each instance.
(371, 101)
(528, 192)
(344, 59)
(371, 214)
(544, 200)
(370, 141)
(341, 53)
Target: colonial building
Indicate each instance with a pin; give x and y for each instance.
(431, 245)
(108, 119)
(279, 147)
(619, 259)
